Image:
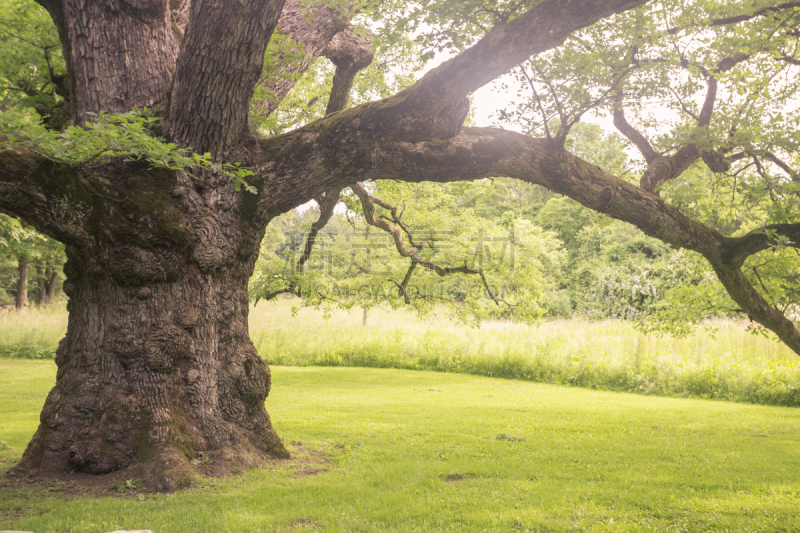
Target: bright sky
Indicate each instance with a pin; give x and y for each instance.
(490, 98)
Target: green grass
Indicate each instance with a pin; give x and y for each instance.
(610, 355)
(580, 460)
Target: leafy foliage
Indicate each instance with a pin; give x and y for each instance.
(511, 260)
(127, 136)
(32, 68)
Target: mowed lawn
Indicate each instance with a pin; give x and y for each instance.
(420, 451)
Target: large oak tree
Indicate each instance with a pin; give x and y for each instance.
(157, 366)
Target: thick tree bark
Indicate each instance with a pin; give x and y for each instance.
(157, 367)
(153, 376)
(120, 54)
(221, 59)
(22, 282)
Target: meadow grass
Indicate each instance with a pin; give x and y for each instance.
(422, 451)
(33, 332)
(732, 364)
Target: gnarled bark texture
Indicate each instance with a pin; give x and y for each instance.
(157, 367)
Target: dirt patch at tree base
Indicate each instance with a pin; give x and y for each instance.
(124, 484)
(305, 462)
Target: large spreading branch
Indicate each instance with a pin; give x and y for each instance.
(543, 27)
(478, 153)
(436, 105)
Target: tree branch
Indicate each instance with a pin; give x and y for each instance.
(397, 220)
(213, 83)
(791, 60)
(350, 53)
(739, 18)
(538, 101)
(312, 38)
(757, 241)
(436, 106)
(402, 287)
(662, 169)
(48, 196)
(368, 208)
(724, 65)
(624, 127)
(274, 294)
(327, 204)
(756, 307)
(786, 168)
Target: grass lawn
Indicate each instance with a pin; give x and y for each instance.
(420, 451)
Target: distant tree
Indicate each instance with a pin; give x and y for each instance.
(26, 247)
(419, 246)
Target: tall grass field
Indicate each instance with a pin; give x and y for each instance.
(728, 364)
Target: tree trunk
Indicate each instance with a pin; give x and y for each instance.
(364, 318)
(120, 55)
(153, 376)
(51, 281)
(157, 367)
(22, 283)
(42, 282)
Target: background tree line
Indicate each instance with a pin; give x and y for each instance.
(31, 265)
